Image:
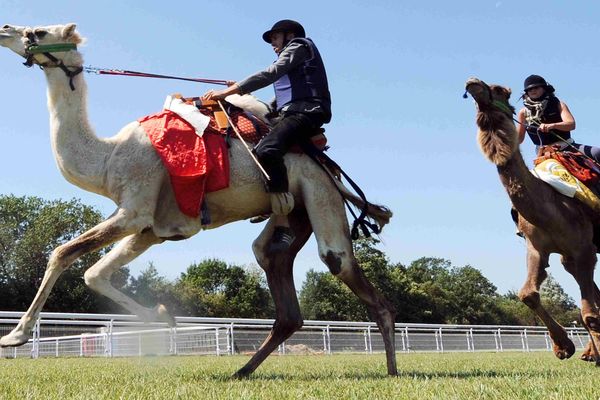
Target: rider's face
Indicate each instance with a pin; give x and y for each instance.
(277, 39)
(535, 92)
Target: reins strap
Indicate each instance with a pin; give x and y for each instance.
(359, 222)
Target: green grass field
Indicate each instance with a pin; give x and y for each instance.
(422, 376)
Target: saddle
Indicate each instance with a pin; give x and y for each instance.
(582, 168)
(250, 128)
(576, 163)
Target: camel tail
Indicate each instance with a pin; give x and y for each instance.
(381, 214)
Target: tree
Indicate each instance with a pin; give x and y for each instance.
(558, 303)
(213, 288)
(30, 228)
(149, 288)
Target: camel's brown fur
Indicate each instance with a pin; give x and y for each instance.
(551, 222)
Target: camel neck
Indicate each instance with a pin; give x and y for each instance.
(79, 153)
(525, 191)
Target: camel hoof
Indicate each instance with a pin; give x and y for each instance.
(14, 339)
(243, 373)
(164, 316)
(564, 352)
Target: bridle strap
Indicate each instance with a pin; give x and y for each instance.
(46, 50)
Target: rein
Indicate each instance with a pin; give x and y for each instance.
(47, 49)
(536, 129)
(101, 71)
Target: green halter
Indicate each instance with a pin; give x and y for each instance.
(503, 107)
(51, 48)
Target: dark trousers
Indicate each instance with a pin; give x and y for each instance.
(293, 128)
(590, 151)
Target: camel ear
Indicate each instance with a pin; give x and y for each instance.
(68, 30)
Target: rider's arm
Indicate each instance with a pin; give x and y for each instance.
(521, 125)
(567, 123)
(293, 55)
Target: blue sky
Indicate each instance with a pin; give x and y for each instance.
(400, 126)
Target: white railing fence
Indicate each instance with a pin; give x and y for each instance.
(117, 335)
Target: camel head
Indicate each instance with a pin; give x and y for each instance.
(23, 40)
(497, 136)
(11, 36)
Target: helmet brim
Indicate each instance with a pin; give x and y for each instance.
(267, 35)
(534, 85)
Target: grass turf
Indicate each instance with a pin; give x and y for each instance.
(509, 375)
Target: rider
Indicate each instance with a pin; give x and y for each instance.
(303, 104)
(548, 120)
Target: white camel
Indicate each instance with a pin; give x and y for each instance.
(126, 169)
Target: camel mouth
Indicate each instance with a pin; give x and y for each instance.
(479, 90)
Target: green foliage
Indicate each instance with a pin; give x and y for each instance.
(558, 303)
(30, 229)
(214, 289)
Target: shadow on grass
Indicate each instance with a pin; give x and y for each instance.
(419, 375)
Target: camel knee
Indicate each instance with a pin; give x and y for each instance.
(259, 248)
(59, 259)
(530, 298)
(288, 325)
(334, 260)
(94, 280)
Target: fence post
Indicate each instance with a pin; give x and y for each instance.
(524, 340)
(217, 341)
(173, 340)
(232, 340)
(546, 341)
(468, 341)
(80, 346)
(56, 348)
(109, 338)
(328, 340)
(403, 340)
(441, 341)
(35, 345)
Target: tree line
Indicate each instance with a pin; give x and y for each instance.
(428, 290)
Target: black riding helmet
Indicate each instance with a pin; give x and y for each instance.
(533, 81)
(285, 25)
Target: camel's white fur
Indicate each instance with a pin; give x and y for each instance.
(126, 169)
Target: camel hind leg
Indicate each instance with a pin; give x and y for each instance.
(328, 219)
(107, 232)
(98, 276)
(278, 268)
(581, 266)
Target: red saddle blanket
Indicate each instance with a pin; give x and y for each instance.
(196, 165)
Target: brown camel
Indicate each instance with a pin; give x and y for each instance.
(550, 221)
(126, 169)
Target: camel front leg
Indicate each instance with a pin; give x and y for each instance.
(529, 294)
(102, 235)
(329, 223)
(98, 276)
(279, 268)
